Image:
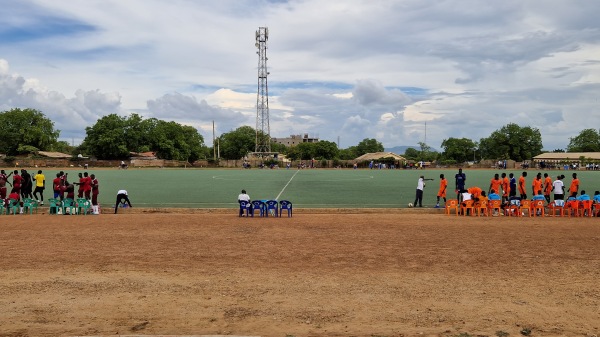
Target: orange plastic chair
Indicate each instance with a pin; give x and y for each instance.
(553, 207)
(572, 208)
(525, 206)
(512, 209)
(538, 205)
(495, 205)
(584, 206)
(451, 204)
(466, 205)
(482, 208)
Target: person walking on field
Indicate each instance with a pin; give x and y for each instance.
(442, 190)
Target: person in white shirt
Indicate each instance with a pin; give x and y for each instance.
(559, 189)
(122, 197)
(419, 196)
(244, 197)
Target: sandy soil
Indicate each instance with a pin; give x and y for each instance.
(310, 275)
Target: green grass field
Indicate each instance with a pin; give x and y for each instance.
(317, 188)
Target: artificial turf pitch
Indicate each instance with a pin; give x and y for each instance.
(306, 188)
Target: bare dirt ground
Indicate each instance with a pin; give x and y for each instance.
(310, 275)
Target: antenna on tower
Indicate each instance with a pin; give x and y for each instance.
(263, 129)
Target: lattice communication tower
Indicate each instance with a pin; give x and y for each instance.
(263, 130)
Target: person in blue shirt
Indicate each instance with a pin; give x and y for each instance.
(460, 178)
(538, 196)
(513, 185)
(493, 195)
(583, 196)
(597, 197)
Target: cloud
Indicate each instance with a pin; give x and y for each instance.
(360, 69)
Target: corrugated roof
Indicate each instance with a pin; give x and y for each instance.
(54, 154)
(378, 155)
(567, 156)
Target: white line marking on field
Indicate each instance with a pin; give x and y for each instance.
(286, 185)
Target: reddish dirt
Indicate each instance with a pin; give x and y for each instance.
(310, 275)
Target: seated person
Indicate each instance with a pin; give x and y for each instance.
(244, 197)
(583, 196)
(482, 198)
(14, 196)
(466, 199)
(538, 196)
(597, 197)
(493, 195)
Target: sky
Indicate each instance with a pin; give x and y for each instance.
(402, 72)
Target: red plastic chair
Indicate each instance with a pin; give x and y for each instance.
(538, 205)
(585, 206)
(555, 206)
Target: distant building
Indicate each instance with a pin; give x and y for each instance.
(294, 140)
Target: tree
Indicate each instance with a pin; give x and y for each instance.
(114, 137)
(106, 139)
(588, 140)
(458, 149)
(411, 154)
(368, 146)
(27, 129)
(512, 142)
(238, 143)
(326, 150)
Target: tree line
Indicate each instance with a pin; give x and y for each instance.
(26, 131)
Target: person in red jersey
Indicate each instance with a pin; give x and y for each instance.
(87, 185)
(95, 191)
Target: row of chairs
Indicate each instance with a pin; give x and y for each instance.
(13, 206)
(266, 208)
(531, 207)
(73, 206)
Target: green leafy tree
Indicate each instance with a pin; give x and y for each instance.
(411, 154)
(458, 149)
(106, 139)
(368, 145)
(114, 137)
(512, 142)
(326, 150)
(348, 154)
(238, 143)
(588, 140)
(307, 151)
(63, 147)
(26, 127)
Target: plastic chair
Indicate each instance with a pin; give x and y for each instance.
(482, 208)
(55, 205)
(538, 205)
(245, 206)
(512, 209)
(30, 205)
(450, 205)
(556, 205)
(494, 205)
(466, 205)
(83, 206)
(585, 206)
(285, 205)
(572, 208)
(272, 208)
(69, 204)
(2, 206)
(525, 206)
(260, 206)
(13, 206)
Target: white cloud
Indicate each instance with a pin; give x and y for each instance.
(354, 69)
